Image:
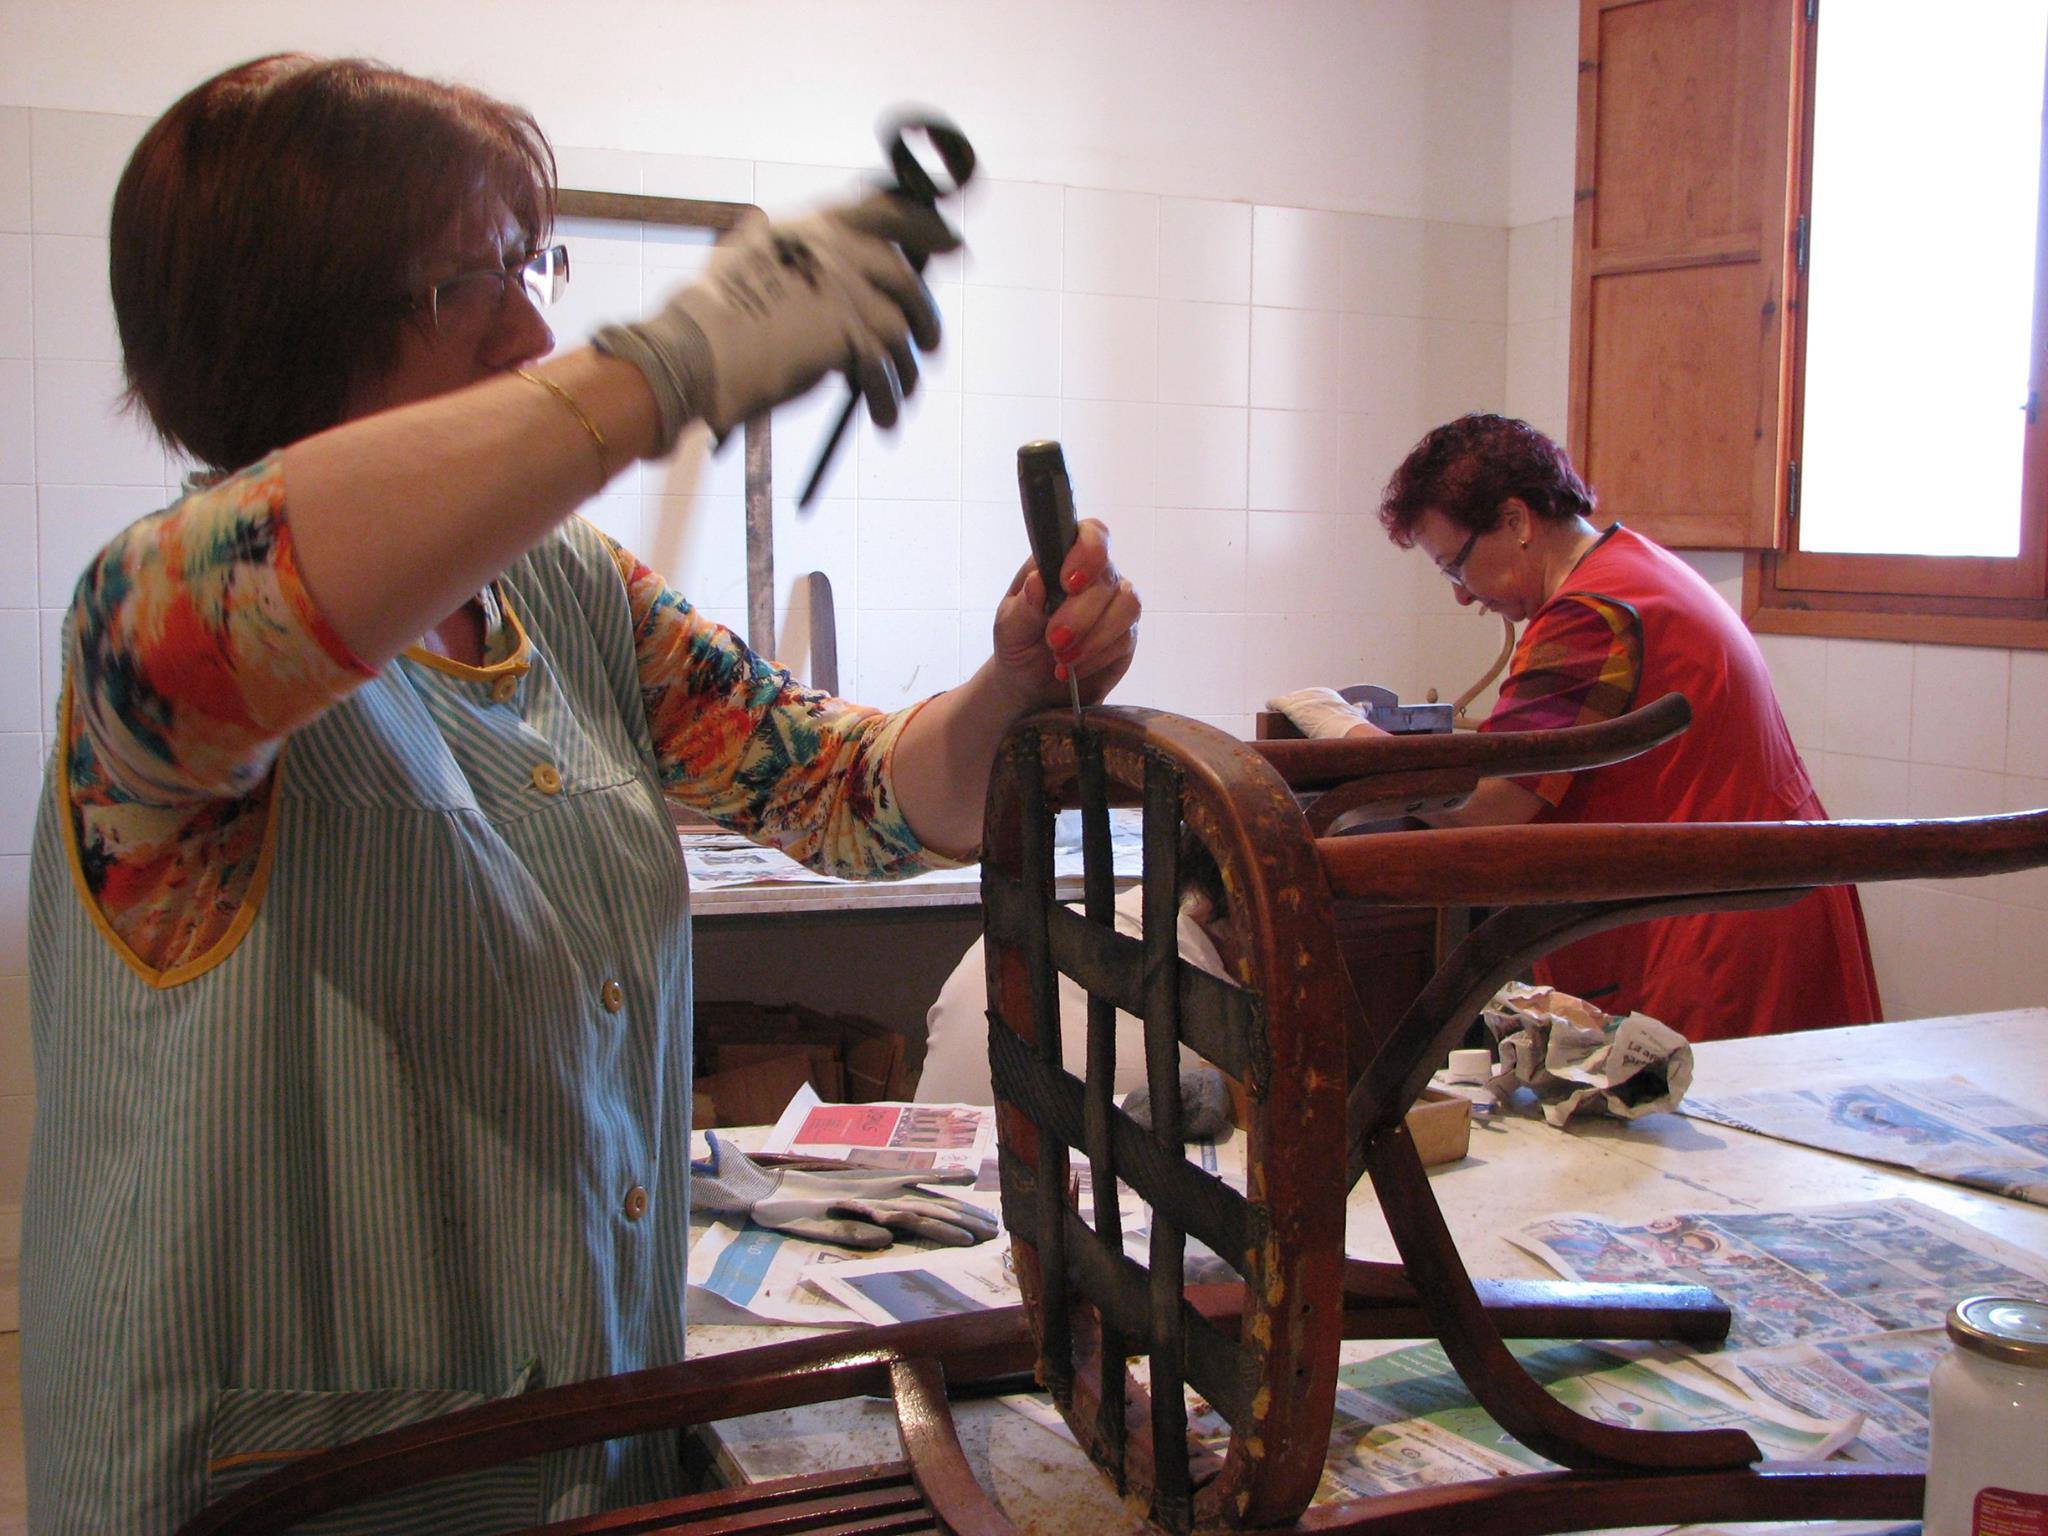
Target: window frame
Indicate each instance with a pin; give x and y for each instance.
(1964, 600)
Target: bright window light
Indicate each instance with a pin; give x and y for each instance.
(1926, 179)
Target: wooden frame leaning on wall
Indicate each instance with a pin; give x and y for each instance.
(718, 217)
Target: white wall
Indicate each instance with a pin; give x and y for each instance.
(1887, 730)
(1236, 254)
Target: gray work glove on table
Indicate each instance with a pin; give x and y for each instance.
(1319, 712)
(781, 305)
(1204, 1104)
(854, 1207)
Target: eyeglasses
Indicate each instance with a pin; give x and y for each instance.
(475, 296)
(1454, 568)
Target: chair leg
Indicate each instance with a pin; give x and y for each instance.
(1496, 1378)
(1380, 1302)
(931, 1445)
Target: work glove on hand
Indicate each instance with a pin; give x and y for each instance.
(854, 1207)
(1319, 711)
(781, 305)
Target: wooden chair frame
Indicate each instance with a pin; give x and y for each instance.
(1262, 1350)
(1550, 885)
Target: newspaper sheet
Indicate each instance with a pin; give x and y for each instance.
(1832, 1272)
(720, 860)
(1574, 1056)
(1947, 1128)
(1883, 1376)
(1405, 1420)
(938, 1137)
(1838, 1310)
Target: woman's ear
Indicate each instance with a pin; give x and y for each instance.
(1516, 517)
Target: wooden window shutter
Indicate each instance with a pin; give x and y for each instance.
(1681, 251)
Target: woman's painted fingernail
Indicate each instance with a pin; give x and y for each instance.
(1060, 671)
(1074, 581)
(1059, 637)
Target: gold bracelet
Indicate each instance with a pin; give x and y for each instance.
(604, 452)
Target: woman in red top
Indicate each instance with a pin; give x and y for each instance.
(1613, 620)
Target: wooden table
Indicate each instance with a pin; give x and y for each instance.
(1519, 1168)
(879, 949)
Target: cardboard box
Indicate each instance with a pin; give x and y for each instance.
(1441, 1125)
(750, 1059)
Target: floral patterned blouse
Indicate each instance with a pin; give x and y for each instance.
(196, 651)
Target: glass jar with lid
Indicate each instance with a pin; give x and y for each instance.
(1987, 1463)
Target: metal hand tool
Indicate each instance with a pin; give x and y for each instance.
(919, 183)
(1048, 498)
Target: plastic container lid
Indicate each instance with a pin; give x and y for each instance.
(2008, 1328)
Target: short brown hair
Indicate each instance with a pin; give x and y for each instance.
(1468, 468)
(267, 229)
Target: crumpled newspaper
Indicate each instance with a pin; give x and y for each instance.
(1576, 1057)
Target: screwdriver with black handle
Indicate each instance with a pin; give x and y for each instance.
(1049, 522)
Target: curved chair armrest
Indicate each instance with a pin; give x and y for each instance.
(1320, 765)
(863, 1362)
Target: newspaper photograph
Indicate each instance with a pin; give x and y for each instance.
(939, 1137)
(1946, 1127)
(763, 1273)
(1834, 1272)
(911, 1287)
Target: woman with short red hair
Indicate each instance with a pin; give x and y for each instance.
(359, 933)
(1613, 620)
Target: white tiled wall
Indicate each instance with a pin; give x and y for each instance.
(1929, 730)
(1231, 382)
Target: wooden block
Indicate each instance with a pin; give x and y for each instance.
(1441, 1124)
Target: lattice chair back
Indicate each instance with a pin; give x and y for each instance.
(1276, 1027)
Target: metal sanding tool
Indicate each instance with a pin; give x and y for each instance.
(946, 166)
(1048, 497)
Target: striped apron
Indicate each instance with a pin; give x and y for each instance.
(416, 1136)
